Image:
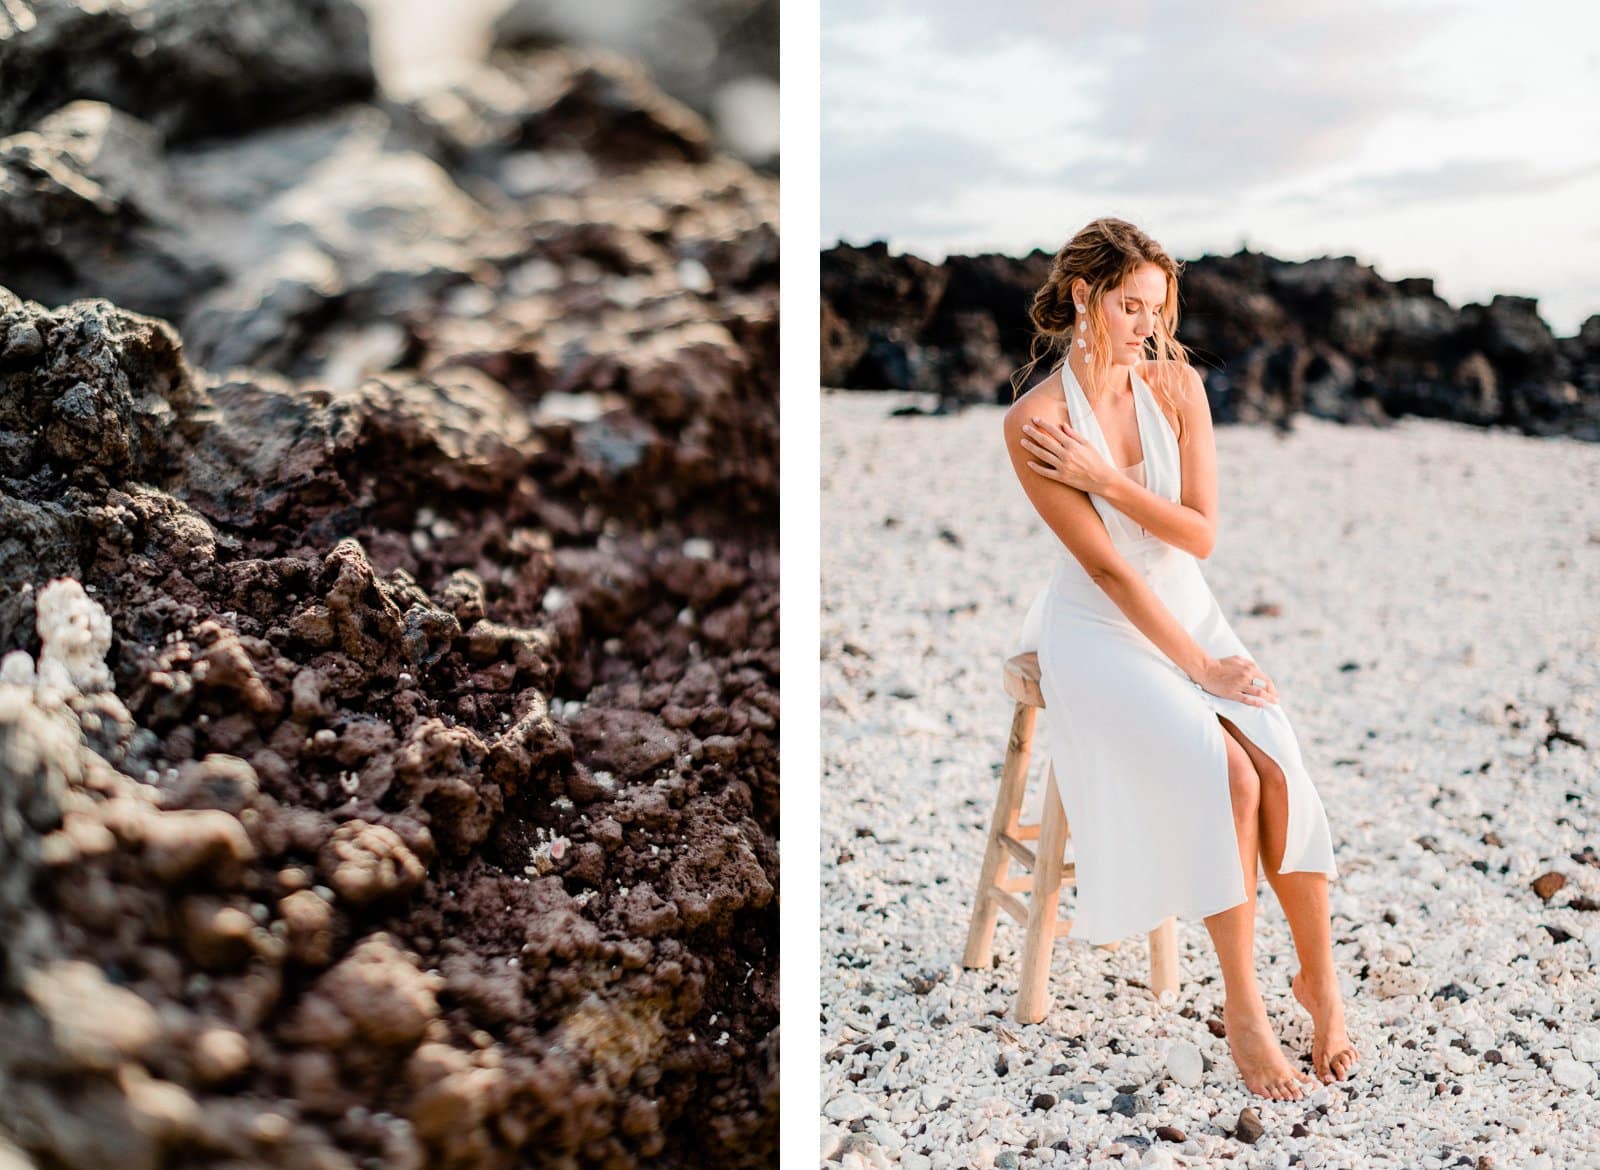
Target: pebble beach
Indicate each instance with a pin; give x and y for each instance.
(1423, 596)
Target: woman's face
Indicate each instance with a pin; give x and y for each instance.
(1130, 312)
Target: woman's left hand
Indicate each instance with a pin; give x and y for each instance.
(1066, 456)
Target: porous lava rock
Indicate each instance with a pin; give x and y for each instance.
(389, 733)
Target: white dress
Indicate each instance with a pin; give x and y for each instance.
(1138, 752)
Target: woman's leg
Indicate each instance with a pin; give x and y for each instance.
(1304, 898)
(1255, 1049)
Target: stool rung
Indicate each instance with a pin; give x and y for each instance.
(1010, 903)
(1026, 832)
(1018, 850)
(1024, 881)
(1018, 909)
(1069, 876)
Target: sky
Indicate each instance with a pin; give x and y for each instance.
(1432, 138)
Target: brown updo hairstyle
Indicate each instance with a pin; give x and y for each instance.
(1104, 254)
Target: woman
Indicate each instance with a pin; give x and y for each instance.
(1177, 766)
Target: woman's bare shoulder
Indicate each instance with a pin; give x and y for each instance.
(1181, 381)
(1042, 400)
(1181, 378)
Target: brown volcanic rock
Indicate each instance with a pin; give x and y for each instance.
(433, 813)
(102, 391)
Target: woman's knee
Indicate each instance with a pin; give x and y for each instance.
(1244, 783)
(1270, 778)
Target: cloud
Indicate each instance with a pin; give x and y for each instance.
(1448, 182)
(1215, 99)
(1408, 128)
(909, 175)
(1153, 98)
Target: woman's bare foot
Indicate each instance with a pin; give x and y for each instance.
(1265, 1069)
(1332, 1054)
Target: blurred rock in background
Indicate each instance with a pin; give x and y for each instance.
(719, 57)
(188, 70)
(1271, 337)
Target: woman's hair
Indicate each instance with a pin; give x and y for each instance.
(1103, 254)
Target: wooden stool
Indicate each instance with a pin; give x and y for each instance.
(998, 890)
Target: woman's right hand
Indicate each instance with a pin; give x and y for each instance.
(1229, 678)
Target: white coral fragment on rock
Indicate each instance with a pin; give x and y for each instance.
(75, 634)
(17, 668)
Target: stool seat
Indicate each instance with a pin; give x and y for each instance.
(1043, 866)
(1022, 679)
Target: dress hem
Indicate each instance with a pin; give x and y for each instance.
(1186, 913)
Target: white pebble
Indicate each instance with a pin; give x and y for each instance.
(1185, 1064)
(846, 1107)
(1572, 1074)
(1586, 1045)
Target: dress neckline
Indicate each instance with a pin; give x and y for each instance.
(1134, 382)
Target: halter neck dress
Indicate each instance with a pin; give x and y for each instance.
(1138, 753)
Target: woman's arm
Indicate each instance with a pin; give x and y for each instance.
(1190, 523)
(1179, 524)
(1070, 514)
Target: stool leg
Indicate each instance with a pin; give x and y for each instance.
(1033, 998)
(1164, 957)
(1007, 804)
